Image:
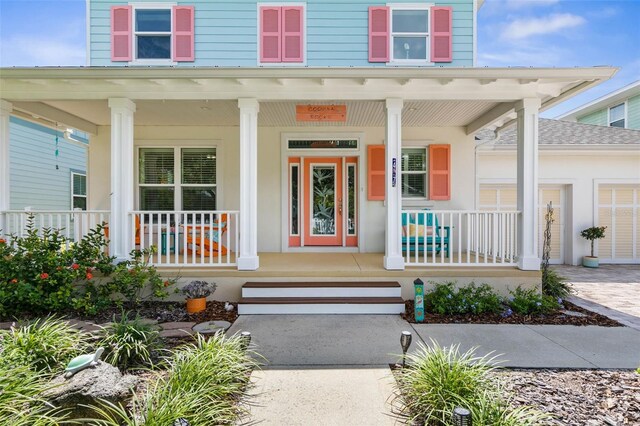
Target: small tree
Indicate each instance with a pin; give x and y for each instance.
(592, 234)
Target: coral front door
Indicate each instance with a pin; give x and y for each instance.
(323, 202)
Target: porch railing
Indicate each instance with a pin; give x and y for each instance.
(73, 224)
(188, 238)
(459, 237)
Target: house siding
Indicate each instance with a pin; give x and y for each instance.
(633, 112)
(35, 182)
(336, 32)
(599, 118)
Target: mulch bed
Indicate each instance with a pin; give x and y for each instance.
(555, 318)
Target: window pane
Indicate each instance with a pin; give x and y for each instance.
(324, 144)
(414, 185)
(410, 48)
(294, 199)
(619, 123)
(199, 166)
(79, 184)
(154, 47)
(410, 21)
(351, 197)
(156, 165)
(414, 160)
(616, 113)
(199, 199)
(153, 20)
(156, 198)
(80, 203)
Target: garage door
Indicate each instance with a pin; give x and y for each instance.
(619, 210)
(505, 198)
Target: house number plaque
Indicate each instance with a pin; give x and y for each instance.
(394, 172)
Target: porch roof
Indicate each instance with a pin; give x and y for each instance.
(473, 98)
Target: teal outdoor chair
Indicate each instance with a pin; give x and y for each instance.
(429, 235)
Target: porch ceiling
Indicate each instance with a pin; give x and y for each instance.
(471, 97)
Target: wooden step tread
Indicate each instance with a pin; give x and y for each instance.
(305, 284)
(318, 300)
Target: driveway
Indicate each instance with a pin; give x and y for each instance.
(611, 290)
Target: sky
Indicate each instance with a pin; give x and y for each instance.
(529, 33)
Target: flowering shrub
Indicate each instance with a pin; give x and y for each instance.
(445, 299)
(530, 302)
(42, 272)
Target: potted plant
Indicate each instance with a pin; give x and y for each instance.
(196, 293)
(592, 234)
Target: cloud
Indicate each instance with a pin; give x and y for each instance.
(523, 28)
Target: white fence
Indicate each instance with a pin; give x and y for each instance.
(73, 224)
(459, 238)
(187, 238)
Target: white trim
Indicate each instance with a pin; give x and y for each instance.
(626, 114)
(475, 32)
(410, 62)
(321, 308)
(134, 50)
(304, 36)
(603, 101)
(86, 184)
(321, 291)
(87, 28)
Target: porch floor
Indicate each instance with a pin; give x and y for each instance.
(362, 265)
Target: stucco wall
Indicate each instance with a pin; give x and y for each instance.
(270, 176)
(579, 172)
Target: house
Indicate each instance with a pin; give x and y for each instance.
(286, 141)
(590, 174)
(47, 166)
(620, 108)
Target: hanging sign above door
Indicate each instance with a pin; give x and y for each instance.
(336, 113)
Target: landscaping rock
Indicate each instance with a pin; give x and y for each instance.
(88, 386)
(6, 325)
(184, 325)
(177, 333)
(211, 327)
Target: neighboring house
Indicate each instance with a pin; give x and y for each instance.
(223, 130)
(47, 169)
(617, 109)
(590, 174)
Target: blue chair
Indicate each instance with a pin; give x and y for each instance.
(430, 239)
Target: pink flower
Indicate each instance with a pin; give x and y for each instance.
(75, 266)
(89, 275)
(44, 276)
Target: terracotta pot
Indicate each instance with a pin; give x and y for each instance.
(196, 305)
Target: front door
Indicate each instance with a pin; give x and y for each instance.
(325, 205)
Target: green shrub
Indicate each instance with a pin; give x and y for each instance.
(204, 384)
(130, 343)
(554, 285)
(530, 302)
(438, 379)
(444, 299)
(44, 345)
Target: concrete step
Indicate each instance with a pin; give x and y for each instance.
(321, 289)
(320, 305)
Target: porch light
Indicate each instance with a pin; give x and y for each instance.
(461, 417)
(245, 337)
(405, 342)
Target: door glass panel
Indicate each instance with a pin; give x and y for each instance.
(324, 200)
(294, 199)
(351, 199)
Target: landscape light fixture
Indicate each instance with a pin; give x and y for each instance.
(461, 417)
(246, 339)
(405, 342)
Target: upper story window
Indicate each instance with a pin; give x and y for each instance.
(281, 34)
(410, 34)
(617, 116)
(152, 34)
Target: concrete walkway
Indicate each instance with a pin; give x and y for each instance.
(333, 369)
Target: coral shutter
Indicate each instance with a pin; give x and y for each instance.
(378, 34)
(440, 172)
(270, 42)
(183, 34)
(121, 33)
(375, 171)
(292, 34)
(441, 34)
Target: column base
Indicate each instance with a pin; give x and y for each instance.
(531, 263)
(248, 263)
(394, 263)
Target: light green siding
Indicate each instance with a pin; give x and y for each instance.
(35, 181)
(633, 112)
(598, 118)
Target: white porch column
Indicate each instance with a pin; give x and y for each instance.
(527, 183)
(248, 253)
(393, 239)
(5, 190)
(122, 181)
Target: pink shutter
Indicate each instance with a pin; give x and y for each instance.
(270, 42)
(379, 34)
(441, 34)
(183, 34)
(376, 163)
(440, 172)
(292, 33)
(120, 33)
